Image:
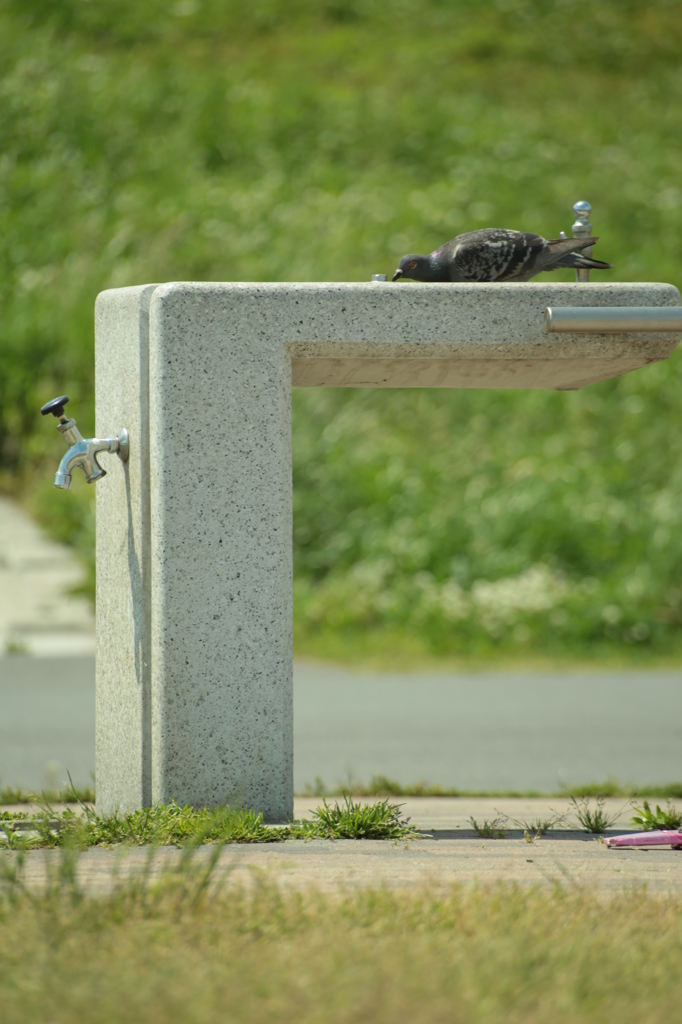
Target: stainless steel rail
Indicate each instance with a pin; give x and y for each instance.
(613, 319)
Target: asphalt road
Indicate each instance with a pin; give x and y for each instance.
(488, 731)
(477, 731)
(47, 721)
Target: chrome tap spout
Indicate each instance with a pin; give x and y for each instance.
(83, 452)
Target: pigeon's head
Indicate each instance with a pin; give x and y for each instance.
(419, 268)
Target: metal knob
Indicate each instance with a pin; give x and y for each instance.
(582, 229)
(56, 406)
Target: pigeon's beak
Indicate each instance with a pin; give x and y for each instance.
(397, 274)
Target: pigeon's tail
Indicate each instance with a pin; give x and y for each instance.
(571, 258)
(576, 259)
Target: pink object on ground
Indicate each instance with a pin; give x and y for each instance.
(662, 837)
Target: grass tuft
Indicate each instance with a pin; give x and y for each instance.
(351, 820)
(590, 820)
(163, 825)
(494, 829)
(539, 826)
(649, 820)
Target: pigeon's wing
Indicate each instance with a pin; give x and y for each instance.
(493, 254)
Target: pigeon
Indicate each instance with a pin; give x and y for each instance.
(497, 254)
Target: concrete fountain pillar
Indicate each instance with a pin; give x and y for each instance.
(194, 551)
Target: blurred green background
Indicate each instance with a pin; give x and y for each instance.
(320, 140)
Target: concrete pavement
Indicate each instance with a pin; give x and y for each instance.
(448, 851)
(38, 615)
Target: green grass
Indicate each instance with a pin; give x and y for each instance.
(191, 947)
(17, 795)
(165, 825)
(380, 785)
(173, 825)
(307, 140)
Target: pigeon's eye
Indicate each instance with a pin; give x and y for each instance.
(412, 265)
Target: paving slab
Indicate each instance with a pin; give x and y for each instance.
(38, 613)
(567, 859)
(446, 852)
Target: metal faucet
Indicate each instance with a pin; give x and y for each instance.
(82, 451)
(581, 229)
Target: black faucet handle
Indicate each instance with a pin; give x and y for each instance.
(56, 406)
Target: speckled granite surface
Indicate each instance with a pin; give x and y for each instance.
(123, 688)
(194, 534)
(435, 335)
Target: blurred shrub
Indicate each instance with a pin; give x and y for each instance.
(320, 141)
(545, 520)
